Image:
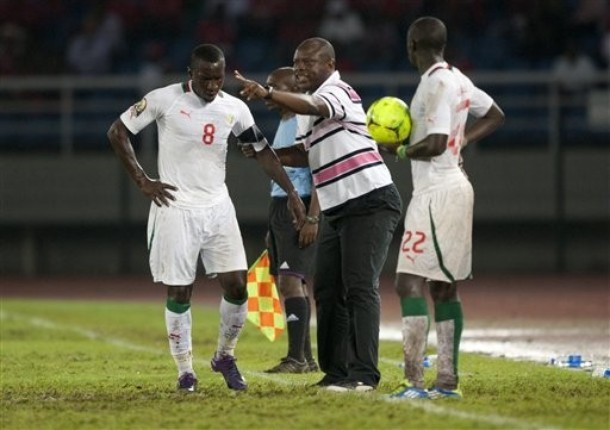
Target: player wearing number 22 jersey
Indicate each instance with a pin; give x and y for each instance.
(438, 226)
(436, 246)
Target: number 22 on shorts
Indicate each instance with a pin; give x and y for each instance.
(412, 242)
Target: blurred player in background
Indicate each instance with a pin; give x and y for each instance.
(192, 215)
(292, 252)
(361, 208)
(436, 248)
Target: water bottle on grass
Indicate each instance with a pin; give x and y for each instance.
(573, 361)
(429, 361)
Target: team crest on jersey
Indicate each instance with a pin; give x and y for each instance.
(138, 108)
(230, 118)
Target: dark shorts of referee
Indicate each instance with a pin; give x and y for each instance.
(352, 250)
(286, 258)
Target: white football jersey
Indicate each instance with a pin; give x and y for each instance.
(441, 104)
(193, 138)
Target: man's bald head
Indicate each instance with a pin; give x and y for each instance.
(317, 44)
(314, 62)
(429, 34)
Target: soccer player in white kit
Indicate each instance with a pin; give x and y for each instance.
(192, 215)
(436, 247)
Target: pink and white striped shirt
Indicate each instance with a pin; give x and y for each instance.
(344, 159)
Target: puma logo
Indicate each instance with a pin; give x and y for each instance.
(185, 113)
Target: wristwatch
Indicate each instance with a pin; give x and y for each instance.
(312, 219)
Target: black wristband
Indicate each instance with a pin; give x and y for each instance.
(269, 92)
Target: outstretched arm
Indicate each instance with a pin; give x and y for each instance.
(303, 104)
(157, 191)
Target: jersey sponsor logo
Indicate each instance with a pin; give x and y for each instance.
(138, 108)
(185, 113)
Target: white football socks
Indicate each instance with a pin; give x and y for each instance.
(180, 341)
(414, 342)
(232, 319)
(445, 365)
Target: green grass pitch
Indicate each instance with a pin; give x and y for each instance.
(106, 365)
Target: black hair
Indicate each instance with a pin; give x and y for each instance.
(208, 53)
(429, 33)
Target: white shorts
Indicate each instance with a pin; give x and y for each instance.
(437, 239)
(178, 236)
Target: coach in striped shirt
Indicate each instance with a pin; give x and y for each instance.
(361, 208)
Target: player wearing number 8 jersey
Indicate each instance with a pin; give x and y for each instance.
(192, 215)
(436, 246)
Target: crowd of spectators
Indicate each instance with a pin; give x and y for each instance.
(152, 37)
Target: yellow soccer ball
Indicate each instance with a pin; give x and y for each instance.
(388, 120)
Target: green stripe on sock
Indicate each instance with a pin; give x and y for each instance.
(236, 302)
(413, 306)
(448, 311)
(175, 307)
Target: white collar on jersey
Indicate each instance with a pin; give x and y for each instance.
(334, 77)
(439, 65)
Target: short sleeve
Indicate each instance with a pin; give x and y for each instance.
(439, 104)
(337, 97)
(244, 126)
(243, 120)
(480, 103)
(143, 112)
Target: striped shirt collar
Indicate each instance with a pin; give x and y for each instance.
(333, 78)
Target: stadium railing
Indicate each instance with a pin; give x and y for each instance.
(548, 166)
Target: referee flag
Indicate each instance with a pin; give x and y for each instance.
(264, 306)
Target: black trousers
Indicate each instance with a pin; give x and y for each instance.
(352, 250)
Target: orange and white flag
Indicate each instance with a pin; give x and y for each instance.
(264, 306)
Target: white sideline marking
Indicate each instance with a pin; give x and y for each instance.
(48, 324)
(88, 334)
(427, 406)
(431, 406)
